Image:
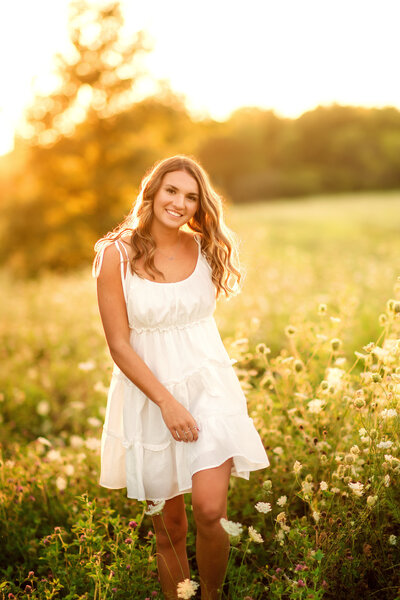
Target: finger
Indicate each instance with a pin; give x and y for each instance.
(195, 430)
(185, 434)
(176, 436)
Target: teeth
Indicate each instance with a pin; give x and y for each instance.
(174, 213)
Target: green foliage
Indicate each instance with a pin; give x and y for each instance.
(316, 339)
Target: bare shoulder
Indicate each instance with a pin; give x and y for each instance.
(110, 263)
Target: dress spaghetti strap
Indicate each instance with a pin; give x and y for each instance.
(124, 273)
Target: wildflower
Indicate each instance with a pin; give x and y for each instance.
(387, 413)
(298, 366)
(128, 540)
(307, 488)
(233, 529)
(297, 467)
(255, 536)
(262, 349)
(371, 500)
(355, 449)
(92, 443)
(386, 480)
(267, 485)
(155, 508)
(301, 583)
(87, 366)
(280, 537)
(278, 450)
(323, 485)
(281, 501)
(335, 376)
(43, 408)
(187, 588)
(316, 516)
(61, 483)
(385, 445)
(132, 524)
(44, 441)
(94, 421)
(69, 470)
(392, 540)
(356, 488)
(75, 441)
(361, 356)
(53, 454)
(322, 309)
(335, 344)
(263, 507)
(315, 406)
(281, 518)
(290, 330)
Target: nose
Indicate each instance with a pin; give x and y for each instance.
(179, 201)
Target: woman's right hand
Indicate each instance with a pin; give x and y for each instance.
(179, 420)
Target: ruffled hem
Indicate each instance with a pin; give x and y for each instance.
(161, 472)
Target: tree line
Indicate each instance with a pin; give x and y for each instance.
(77, 172)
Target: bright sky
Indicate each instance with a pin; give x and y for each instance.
(288, 55)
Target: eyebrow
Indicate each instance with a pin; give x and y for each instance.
(175, 188)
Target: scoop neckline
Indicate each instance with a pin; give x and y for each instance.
(180, 280)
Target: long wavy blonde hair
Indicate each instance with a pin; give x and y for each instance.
(218, 242)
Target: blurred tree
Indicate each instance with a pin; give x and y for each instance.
(78, 156)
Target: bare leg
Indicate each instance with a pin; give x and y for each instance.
(171, 530)
(209, 499)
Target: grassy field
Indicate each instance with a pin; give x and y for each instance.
(316, 333)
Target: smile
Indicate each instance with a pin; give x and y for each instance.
(173, 213)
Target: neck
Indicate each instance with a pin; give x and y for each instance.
(165, 238)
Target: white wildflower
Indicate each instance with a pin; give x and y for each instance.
(386, 480)
(69, 470)
(392, 540)
(263, 507)
(334, 376)
(356, 488)
(278, 450)
(323, 485)
(61, 483)
(315, 406)
(43, 408)
(94, 421)
(44, 441)
(255, 536)
(362, 431)
(187, 589)
(385, 445)
(281, 501)
(231, 528)
(307, 488)
(87, 366)
(316, 516)
(335, 490)
(53, 454)
(155, 508)
(297, 467)
(75, 441)
(92, 443)
(388, 413)
(355, 449)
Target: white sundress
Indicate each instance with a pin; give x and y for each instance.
(173, 330)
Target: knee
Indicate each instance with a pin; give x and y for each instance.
(172, 530)
(208, 512)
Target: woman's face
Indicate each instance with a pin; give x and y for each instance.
(177, 200)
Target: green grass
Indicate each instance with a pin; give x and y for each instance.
(83, 541)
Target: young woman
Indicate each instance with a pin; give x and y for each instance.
(176, 418)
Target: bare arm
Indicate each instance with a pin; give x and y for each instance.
(113, 314)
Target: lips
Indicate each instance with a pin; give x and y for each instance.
(173, 213)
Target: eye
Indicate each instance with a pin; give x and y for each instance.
(170, 191)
